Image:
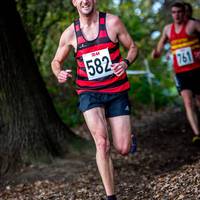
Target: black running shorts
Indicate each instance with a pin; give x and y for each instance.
(188, 81)
(115, 104)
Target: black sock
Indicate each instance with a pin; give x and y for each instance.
(112, 197)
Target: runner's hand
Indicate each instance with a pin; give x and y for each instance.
(155, 54)
(119, 68)
(63, 75)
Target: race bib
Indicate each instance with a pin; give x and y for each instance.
(98, 64)
(184, 56)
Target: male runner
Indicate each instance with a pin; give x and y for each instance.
(185, 47)
(188, 15)
(101, 80)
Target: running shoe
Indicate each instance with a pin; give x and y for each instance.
(133, 145)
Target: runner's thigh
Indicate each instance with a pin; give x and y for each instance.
(96, 122)
(121, 130)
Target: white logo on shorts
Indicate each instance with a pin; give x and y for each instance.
(127, 108)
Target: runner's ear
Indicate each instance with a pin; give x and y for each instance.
(74, 3)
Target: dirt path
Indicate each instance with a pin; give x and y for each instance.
(165, 167)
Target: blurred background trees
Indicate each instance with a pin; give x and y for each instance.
(29, 126)
(44, 22)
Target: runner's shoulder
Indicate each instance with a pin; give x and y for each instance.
(196, 22)
(69, 31)
(193, 22)
(193, 26)
(112, 19)
(167, 29)
(69, 34)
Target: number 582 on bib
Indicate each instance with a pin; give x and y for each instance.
(98, 64)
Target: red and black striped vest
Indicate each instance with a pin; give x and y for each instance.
(109, 83)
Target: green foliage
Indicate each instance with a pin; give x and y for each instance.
(45, 21)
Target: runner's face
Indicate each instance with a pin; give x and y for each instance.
(84, 7)
(177, 15)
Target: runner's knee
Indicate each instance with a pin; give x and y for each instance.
(102, 144)
(123, 149)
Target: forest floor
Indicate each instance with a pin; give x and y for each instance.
(165, 167)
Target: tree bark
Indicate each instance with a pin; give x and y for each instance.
(30, 128)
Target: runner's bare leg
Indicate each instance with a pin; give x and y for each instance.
(190, 110)
(96, 122)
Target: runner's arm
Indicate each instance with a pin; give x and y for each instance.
(126, 40)
(62, 53)
(156, 53)
(119, 33)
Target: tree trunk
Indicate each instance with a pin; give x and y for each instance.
(30, 129)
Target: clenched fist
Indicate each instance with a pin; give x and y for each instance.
(63, 75)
